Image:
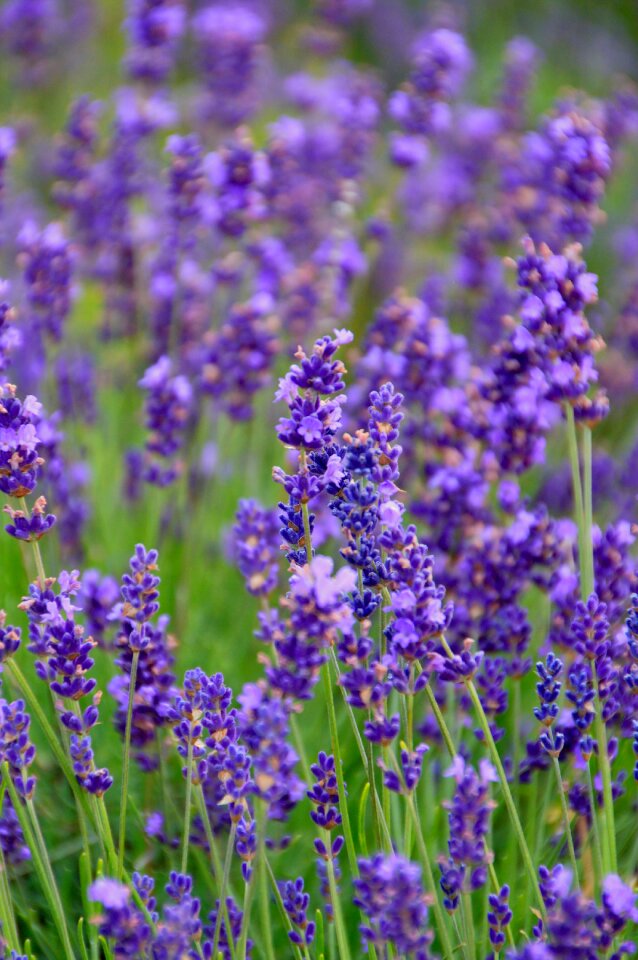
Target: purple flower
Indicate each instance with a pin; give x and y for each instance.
(499, 916)
(255, 544)
(10, 638)
(154, 29)
(16, 748)
(19, 458)
(168, 407)
(47, 271)
(30, 528)
(121, 922)
(296, 902)
(229, 39)
(469, 812)
(389, 892)
(263, 724)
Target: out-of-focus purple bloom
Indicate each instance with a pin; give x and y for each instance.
(47, 271)
(19, 458)
(97, 597)
(154, 29)
(229, 48)
(390, 894)
(441, 62)
(238, 357)
(521, 61)
(255, 544)
(168, 406)
(30, 29)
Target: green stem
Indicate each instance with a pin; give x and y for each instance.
(341, 787)
(264, 905)
(9, 926)
(223, 891)
(507, 794)
(608, 825)
(245, 920)
(577, 488)
(280, 903)
(449, 743)
(340, 929)
(469, 924)
(187, 804)
(587, 564)
(568, 831)
(584, 517)
(126, 764)
(37, 553)
(215, 862)
(35, 842)
(430, 881)
(598, 854)
(369, 769)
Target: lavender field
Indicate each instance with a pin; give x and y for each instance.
(319, 468)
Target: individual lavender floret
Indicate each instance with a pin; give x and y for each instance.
(138, 635)
(47, 271)
(567, 162)
(469, 812)
(556, 288)
(27, 529)
(255, 544)
(16, 748)
(19, 458)
(239, 175)
(389, 892)
(229, 46)
(296, 902)
(319, 616)
(577, 927)
(441, 62)
(264, 726)
(29, 29)
(14, 848)
(98, 594)
(140, 596)
(238, 356)
(10, 336)
(95, 781)
(121, 922)
(64, 663)
(10, 638)
(411, 764)
(154, 29)
(548, 689)
(168, 407)
(499, 916)
(235, 917)
(324, 794)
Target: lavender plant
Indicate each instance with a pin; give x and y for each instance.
(325, 739)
